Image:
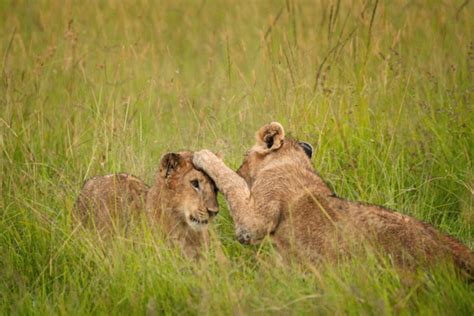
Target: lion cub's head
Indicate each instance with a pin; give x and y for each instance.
(186, 194)
(271, 149)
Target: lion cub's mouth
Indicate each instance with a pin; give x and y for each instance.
(197, 221)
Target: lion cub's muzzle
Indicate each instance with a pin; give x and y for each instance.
(212, 213)
(200, 221)
(197, 221)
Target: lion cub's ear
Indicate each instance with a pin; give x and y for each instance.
(270, 137)
(308, 149)
(169, 163)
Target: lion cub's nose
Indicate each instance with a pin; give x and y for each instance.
(212, 213)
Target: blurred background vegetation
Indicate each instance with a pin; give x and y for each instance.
(384, 90)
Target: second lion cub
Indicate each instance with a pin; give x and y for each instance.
(182, 201)
(277, 193)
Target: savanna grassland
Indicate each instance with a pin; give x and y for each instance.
(384, 90)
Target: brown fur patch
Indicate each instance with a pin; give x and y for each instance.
(111, 199)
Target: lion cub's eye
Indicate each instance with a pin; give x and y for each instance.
(195, 183)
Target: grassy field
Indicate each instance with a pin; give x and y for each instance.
(384, 90)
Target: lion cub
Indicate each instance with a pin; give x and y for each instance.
(182, 201)
(276, 192)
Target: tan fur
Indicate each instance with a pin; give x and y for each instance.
(180, 210)
(276, 192)
(105, 201)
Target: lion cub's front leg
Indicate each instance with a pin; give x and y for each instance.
(250, 225)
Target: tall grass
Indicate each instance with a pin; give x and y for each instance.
(384, 90)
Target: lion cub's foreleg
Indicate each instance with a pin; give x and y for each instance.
(250, 224)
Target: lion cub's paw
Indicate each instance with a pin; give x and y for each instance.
(204, 158)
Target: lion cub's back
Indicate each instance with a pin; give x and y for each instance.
(407, 238)
(104, 199)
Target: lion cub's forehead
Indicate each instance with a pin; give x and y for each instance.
(191, 170)
(186, 155)
(194, 173)
(186, 162)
